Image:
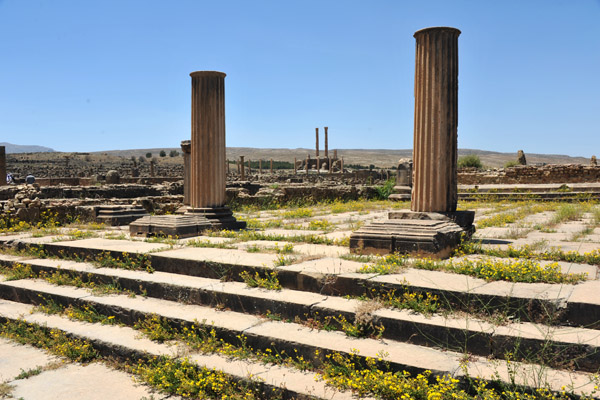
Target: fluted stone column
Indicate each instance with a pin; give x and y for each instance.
(207, 162)
(186, 148)
(2, 166)
(436, 120)
(207, 167)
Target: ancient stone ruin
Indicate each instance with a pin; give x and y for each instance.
(433, 225)
(207, 176)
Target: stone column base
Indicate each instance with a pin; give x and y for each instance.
(180, 226)
(219, 217)
(416, 233)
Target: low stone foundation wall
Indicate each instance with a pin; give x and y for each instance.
(567, 173)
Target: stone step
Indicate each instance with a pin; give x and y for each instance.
(459, 334)
(263, 334)
(333, 276)
(126, 343)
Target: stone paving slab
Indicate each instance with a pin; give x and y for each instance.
(16, 358)
(328, 265)
(321, 250)
(207, 239)
(226, 256)
(435, 280)
(338, 235)
(94, 381)
(291, 232)
(411, 357)
(102, 244)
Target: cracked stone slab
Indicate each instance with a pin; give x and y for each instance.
(93, 381)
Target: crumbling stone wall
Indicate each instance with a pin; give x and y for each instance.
(567, 173)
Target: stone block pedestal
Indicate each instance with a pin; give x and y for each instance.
(219, 217)
(180, 226)
(415, 233)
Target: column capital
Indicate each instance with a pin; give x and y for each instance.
(436, 29)
(201, 74)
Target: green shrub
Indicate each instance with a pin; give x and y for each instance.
(510, 164)
(469, 161)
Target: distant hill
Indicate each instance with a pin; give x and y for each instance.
(381, 158)
(19, 148)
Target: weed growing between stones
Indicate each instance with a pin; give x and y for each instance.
(86, 312)
(321, 225)
(169, 240)
(135, 262)
(156, 328)
(405, 299)
(267, 280)
(388, 264)
(18, 271)
(208, 244)
(184, 378)
(527, 270)
(48, 221)
(518, 211)
(529, 252)
(301, 212)
(53, 340)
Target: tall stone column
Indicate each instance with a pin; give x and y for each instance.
(186, 148)
(326, 144)
(2, 166)
(436, 120)
(207, 163)
(317, 142)
(207, 171)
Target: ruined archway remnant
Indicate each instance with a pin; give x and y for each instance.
(432, 226)
(436, 120)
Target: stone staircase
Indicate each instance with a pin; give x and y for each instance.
(202, 288)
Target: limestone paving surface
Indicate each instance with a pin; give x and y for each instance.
(326, 262)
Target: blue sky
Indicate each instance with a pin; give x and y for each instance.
(101, 75)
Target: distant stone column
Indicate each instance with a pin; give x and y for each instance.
(2, 165)
(326, 144)
(242, 168)
(271, 165)
(208, 140)
(260, 166)
(436, 120)
(317, 142)
(593, 161)
(186, 148)
(295, 165)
